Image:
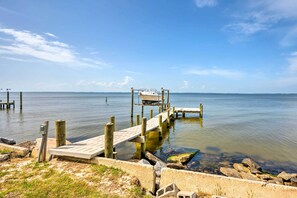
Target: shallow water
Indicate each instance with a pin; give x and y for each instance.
(263, 126)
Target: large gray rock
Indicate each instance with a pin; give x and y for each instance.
(4, 157)
(158, 167)
(230, 172)
(286, 176)
(7, 141)
(252, 165)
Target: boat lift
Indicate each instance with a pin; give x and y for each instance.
(162, 105)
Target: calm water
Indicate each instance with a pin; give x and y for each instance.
(261, 126)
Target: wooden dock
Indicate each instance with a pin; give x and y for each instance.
(7, 105)
(89, 148)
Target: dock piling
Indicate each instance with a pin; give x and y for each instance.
(7, 100)
(132, 101)
(137, 119)
(143, 134)
(201, 110)
(160, 126)
(184, 114)
(142, 110)
(21, 100)
(168, 117)
(112, 120)
(162, 99)
(151, 113)
(108, 143)
(60, 132)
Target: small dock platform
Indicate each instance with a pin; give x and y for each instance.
(7, 105)
(92, 147)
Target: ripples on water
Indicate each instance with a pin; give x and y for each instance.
(263, 126)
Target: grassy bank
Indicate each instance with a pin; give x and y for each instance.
(26, 178)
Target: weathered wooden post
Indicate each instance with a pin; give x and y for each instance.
(184, 114)
(160, 109)
(21, 100)
(151, 114)
(112, 120)
(43, 144)
(7, 100)
(142, 110)
(132, 101)
(160, 126)
(201, 110)
(143, 134)
(168, 103)
(13, 104)
(162, 99)
(60, 132)
(137, 119)
(108, 137)
(168, 117)
(173, 111)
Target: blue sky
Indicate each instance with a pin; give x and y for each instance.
(222, 46)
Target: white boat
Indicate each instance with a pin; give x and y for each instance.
(149, 96)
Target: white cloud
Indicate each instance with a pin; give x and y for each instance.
(50, 34)
(290, 38)
(28, 44)
(206, 3)
(257, 16)
(185, 84)
(215, 72)
(127, 80)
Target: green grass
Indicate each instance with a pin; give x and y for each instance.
(104, 170)
(50, 184)
(5, 151)
(39, 180)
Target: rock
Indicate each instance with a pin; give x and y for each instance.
(276, 180)
(154, 159)
(286, 176)
(51, 143)
(176, 166)
(241, 168)
(144, 161)
(7, 141)
(28, 144)
(265, 177)
(248, 176)
(16, 151)
(230, 172)
(181, 158)
(158, 166)
(4, 157)
(294, 179)
(252, 165)
(225, 163)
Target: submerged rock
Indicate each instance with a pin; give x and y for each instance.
(286, 176)
(252, 165)
(276, 180)
(176, 166)
(181, 158)
(230, 172)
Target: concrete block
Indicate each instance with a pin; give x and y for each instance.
(144, 172)
(186, 194)
(168, 191)
(224, 186)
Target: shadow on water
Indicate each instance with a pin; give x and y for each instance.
(209, 161)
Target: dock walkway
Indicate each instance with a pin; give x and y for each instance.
(89, 148)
